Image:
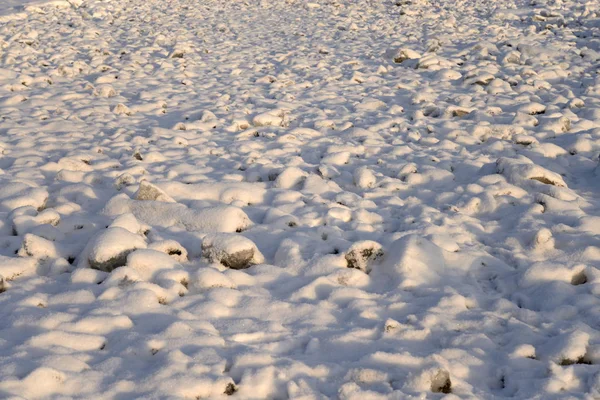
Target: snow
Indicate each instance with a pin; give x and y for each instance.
(305, 200)
(11, 10)
(9, 6)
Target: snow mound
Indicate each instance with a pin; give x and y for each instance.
(361, 255)
(148, 191)
(414, 261)
(518, 171)
(165, 214)
(109, 249)
(12, 268)
(147, 263)
(232, 251)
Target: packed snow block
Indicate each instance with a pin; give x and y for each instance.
(109, 249)
(232, 251)
(17, 194)
(148, 191)
(13, 267)
(363, 254)
(147, 263)
(413, 261)
(518, 171)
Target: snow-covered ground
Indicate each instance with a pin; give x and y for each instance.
(300, 200)
(17, 9)
(10, 6)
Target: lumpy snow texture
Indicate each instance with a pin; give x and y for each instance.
(300, 199)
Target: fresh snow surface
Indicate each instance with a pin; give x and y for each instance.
(300, 200)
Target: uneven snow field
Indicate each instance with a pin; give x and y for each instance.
(282, 199)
